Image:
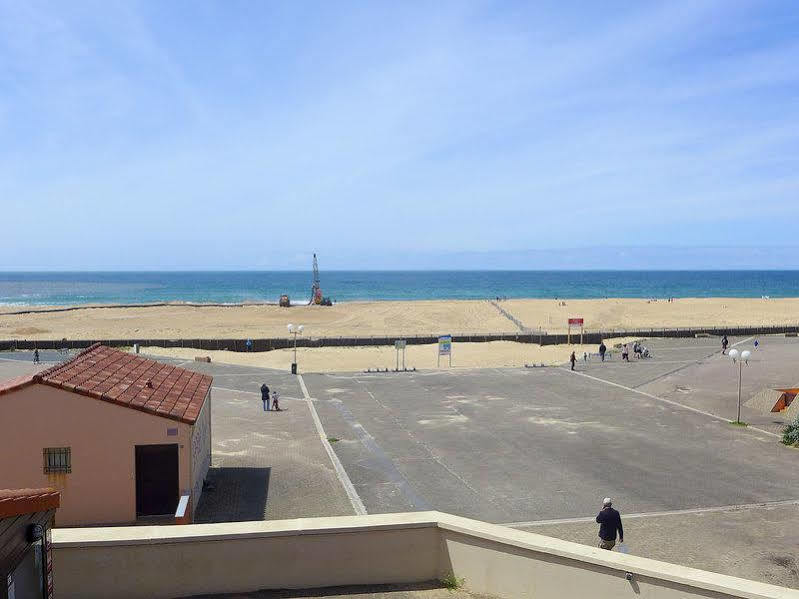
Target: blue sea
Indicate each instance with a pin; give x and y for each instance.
(64, 288)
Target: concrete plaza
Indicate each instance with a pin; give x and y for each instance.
(535, 449)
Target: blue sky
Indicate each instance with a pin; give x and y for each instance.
(163, 135)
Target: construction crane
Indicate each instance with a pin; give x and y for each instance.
(317, 298)
(316, 289)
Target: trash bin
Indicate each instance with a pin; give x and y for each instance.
(293, 368)
(135, 348)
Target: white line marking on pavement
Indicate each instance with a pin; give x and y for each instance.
(701, 510)
(743, 341)
(344, 479)
(668, 401)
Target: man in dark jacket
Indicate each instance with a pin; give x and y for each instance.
(609, 523)
(265, 396)
(602, 349)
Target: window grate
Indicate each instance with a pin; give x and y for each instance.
(57, 459)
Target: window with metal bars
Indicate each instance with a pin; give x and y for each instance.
(57, 459)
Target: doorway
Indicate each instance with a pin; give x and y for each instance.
(157, 491)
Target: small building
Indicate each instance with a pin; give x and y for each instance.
(26, 556)
(122, 437)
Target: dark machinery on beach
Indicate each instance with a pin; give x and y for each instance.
(317, 299)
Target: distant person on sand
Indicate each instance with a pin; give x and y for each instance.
(724, 344)
(573, 359)
(275, 400)
(609, 521)
(265, 396)
(35, 356)
(625, 353)
(602, 350)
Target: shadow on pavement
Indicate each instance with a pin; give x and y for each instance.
(234, 495)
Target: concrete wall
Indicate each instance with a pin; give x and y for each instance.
(101, 488)
(200, 452)
(139, 562)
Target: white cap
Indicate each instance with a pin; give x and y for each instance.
(606, 501)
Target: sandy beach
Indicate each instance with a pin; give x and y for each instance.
(495, 354)
(393, 318)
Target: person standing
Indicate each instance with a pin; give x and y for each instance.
(609, 521)
(602, 350)
(265, 396)
(35, 356)
(625, 353)
(249, 344)
(275, 400)
(724, 344)
(573, 359)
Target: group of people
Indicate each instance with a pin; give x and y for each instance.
(271, 402)
(639, 351)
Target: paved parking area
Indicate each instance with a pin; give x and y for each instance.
(520, 445)
(524, 447)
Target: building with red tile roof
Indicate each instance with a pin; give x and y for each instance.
(122, 437)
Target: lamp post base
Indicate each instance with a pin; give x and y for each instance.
(293, 368)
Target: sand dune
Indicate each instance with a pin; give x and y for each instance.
(389, 318)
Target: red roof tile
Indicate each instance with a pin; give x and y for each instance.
(128, 380)
(16, 502)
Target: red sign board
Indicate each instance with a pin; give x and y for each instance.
(575, 322)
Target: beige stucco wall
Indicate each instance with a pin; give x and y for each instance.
(200, 452)
(174, 561)
(101, 487)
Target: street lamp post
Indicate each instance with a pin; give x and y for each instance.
(295, 330)
(745, 355)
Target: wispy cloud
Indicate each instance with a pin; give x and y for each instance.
(220, 133)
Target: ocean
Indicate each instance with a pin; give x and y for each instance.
(62, 288)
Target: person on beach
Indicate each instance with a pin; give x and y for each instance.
(265, 396)
(602, 350)
(573, 359)
(249, 344)
(35, 356)
(609, 521)
(724, 344)
(625, 353)
(275, 400)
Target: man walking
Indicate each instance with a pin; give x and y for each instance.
(724, 344)
(602, 350)
(265, 396)
(573, 359)
(609, 523)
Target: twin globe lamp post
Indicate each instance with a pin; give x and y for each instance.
(295, 330)
(744, 359)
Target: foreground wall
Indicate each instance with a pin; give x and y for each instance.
(175, 561)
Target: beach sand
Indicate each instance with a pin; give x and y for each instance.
(391, 318)
(494, 354)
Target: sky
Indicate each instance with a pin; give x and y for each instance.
(246, 135)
